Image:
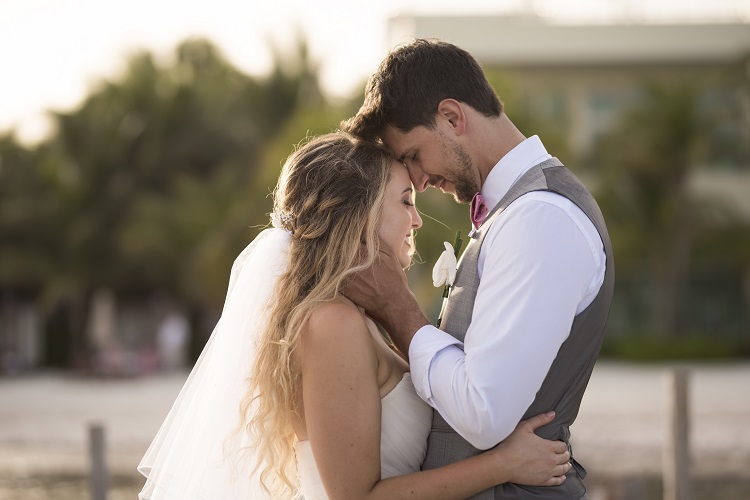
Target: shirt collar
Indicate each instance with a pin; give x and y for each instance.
(513, 165)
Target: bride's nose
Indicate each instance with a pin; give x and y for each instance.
(416, 220)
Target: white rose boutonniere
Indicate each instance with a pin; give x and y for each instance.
(444, 272)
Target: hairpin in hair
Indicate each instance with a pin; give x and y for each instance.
(281, 219)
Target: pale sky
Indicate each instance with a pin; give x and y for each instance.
(53, 51)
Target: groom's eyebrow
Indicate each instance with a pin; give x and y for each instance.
(406, 153)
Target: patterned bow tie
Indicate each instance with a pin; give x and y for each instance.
(479, 210)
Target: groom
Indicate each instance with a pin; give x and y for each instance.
(524, 321)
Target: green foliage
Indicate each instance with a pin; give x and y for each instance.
(149, 184)
(139, 144)
(29, 222)
(692, 347)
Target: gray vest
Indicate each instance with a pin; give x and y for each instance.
(569, 374)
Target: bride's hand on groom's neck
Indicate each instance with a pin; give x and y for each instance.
(383, 292)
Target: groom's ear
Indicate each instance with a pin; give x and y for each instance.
(452, 112)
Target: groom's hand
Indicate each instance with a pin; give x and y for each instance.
(383, 292)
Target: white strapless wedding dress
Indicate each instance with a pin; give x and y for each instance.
(405, 424)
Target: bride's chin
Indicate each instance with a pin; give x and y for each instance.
(405, 261)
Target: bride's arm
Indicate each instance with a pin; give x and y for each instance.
(342, 413)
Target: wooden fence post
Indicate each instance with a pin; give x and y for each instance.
(99, 479)
(676, 456)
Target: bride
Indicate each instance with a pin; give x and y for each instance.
(297, 392)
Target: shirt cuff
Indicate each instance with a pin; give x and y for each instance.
(425, 345)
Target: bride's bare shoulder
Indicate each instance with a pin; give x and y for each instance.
(338, 322)
(335, 315)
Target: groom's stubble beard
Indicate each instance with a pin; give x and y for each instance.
(465, 184)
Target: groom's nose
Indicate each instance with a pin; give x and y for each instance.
(419, 178)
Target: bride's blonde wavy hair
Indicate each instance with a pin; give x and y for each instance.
(330, 194)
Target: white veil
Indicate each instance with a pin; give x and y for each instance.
(196, 453)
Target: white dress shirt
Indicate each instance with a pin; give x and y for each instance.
(541, 263)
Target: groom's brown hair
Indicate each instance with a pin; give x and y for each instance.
(411, 81)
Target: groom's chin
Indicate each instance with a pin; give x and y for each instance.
(463, 192)
(456, 196)
(460, 197)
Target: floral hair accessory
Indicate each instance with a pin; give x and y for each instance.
(282, 220)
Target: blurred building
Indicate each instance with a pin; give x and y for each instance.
(120, 336)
